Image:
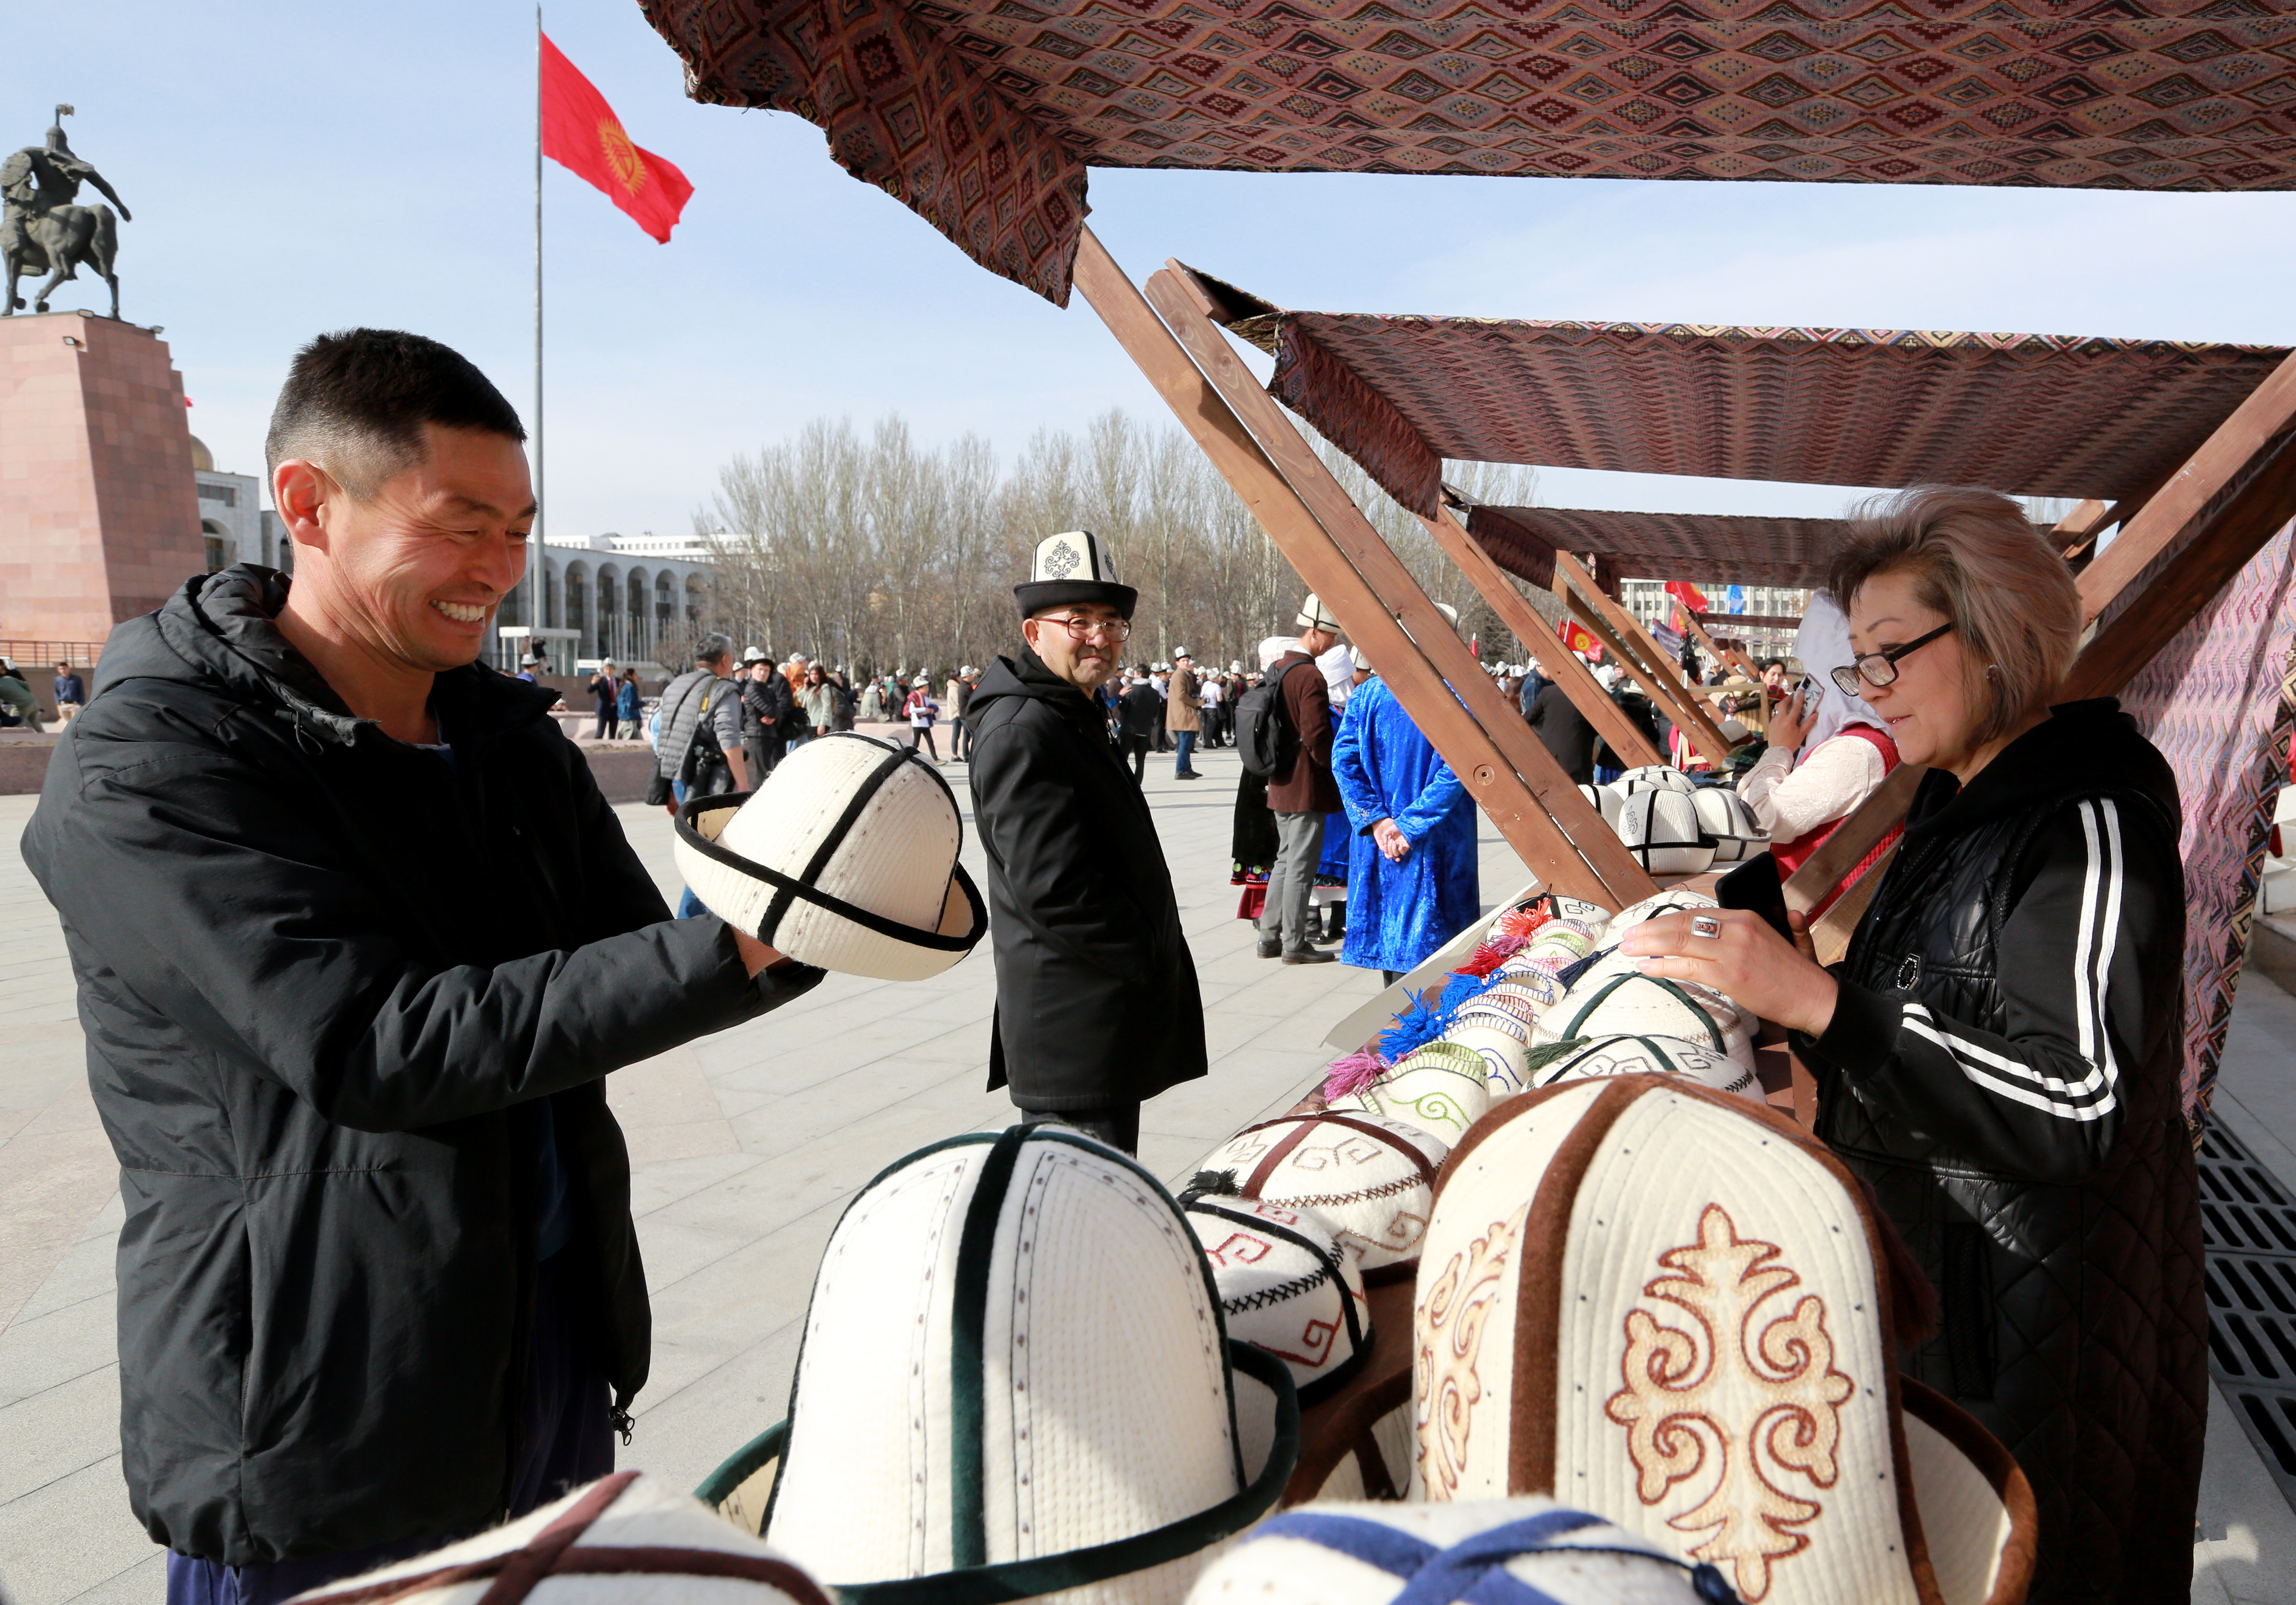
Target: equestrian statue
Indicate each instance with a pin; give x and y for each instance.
(42, 230)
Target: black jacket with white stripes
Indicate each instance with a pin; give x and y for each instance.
(2003, 1067)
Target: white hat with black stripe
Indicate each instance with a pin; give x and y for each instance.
(845, 857)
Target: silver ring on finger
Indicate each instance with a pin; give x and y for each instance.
(1705, 925)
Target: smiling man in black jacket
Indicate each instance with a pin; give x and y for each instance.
(1097, 1007)
(357, 942)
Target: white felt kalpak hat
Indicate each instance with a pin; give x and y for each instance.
(1073, 567)
(1660, 829)
(624, 1537)
(1728, 824)
(1605, 800)
(1013, 1381)
(1650, 1056)
(1372, 1177)
(1440, 1087)
(1654, 777)
(845, 857)
(1314, 615)
(1674, 1308)
(1614, 998)
(1650, 908)
(1499, 1552)
(1500, 1037)
(1285, 1286)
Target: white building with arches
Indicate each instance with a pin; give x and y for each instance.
(639, 599)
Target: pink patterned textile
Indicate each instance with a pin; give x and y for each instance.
(2033, 415)
(2218, 703)
(1659, 545)
(2178, 94)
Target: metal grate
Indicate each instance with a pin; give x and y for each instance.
(2248, 1225)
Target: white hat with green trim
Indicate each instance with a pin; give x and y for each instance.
(1440, 1087)
(1614, 998)
(1015, 1379)
(1649, 1056)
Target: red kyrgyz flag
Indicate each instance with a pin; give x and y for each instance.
(581, 134)
(1578, 639)
(1689, 595)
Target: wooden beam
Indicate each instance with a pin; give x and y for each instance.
(1752, 621)
(2078, 528)
(1698, 632)
(1557, 661)
(2256, 429)
(1855, 837)
(1626, 637)
(1600, 870)
(1507, 769)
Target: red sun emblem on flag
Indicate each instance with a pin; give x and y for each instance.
(622, 159)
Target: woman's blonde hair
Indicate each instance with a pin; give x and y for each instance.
(1976, 558)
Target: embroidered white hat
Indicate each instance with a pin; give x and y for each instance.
(1660, 829)
(1650, 1056)
(625, 1537)
(1440, 1087)
(1073, 567)
(1285, 1286)
(1370, 1176)
(1658, 777)
(1014, 1379)
(844, 858)
(1673, 1308)
(1499, 1552)
(1315, 616)
(1499, 1037)
(1650, 908)
(1357, 1443)
(1728, 824)
(1614, 998)
(1529, 915)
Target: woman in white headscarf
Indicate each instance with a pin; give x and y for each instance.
(1828, 750)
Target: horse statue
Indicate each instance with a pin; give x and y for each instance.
(42, 230)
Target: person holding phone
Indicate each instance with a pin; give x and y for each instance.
(1828, 749)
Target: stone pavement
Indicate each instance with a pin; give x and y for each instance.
(745, 1147)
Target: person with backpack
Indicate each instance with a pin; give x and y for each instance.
(1283, 730)
(700, 752)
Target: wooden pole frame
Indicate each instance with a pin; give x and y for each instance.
(1555, 661)
(1507, 771)
(1733, 658)
(1657, 682)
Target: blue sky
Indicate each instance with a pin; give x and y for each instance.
(298, 168)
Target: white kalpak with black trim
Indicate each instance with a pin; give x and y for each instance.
(1015, 1380)
(845, 857)
(1286, 1285)
(1370, 1176)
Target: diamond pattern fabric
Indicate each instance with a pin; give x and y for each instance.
(1659, 545)
(918, 98)
(2031, 414)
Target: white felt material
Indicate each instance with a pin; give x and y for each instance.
(1440, 1087)
(1274, 1294)
(1728, 823)
(1502, 1042)
(1964, 1518)
(1660, 829)
(1651, 907)
(1605, 800)
(1593, 1565)
(1097, 1297)
(1654, 777)
(644, 1515)
(1614, 998)
(896, 860)
(1366, 1183)
(1651, 1056)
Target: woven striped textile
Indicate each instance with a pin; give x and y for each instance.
(983, 115)
(2220, 702)
(1659, 545)
(2030, 414)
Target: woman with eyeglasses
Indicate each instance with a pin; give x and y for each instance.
(1999, 1053)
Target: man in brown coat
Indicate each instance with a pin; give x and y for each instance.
(1182, 715)
(1301, 792)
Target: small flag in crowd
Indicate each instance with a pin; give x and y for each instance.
(581, 134)
(1578, 639)
(1688, 595)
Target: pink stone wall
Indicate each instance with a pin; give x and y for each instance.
(99, 513)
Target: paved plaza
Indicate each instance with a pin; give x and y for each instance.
(745, 1146)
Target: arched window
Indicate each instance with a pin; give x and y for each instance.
(641, 625)
(613, 635)
(218, 545)
(577, 609)
(665, 609)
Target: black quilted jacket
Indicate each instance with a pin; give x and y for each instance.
(2003, 1068)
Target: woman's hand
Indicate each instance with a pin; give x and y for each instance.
(1746, 961)
(1788, 725)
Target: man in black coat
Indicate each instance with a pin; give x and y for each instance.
(1096, 1001)
(1138, 711)
(1566, 732)
(356, 941)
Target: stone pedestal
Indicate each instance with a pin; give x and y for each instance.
(99, 514)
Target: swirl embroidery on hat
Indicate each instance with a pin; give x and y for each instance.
(1445, 1378)
(1061, 560)
(1764, 1410)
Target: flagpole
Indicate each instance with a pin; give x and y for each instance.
(536, 589)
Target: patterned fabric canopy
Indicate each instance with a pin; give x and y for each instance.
(982, 114)
(1659, 545)
(2030, 414)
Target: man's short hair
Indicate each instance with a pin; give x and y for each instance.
(354, 402)
(711, 648)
